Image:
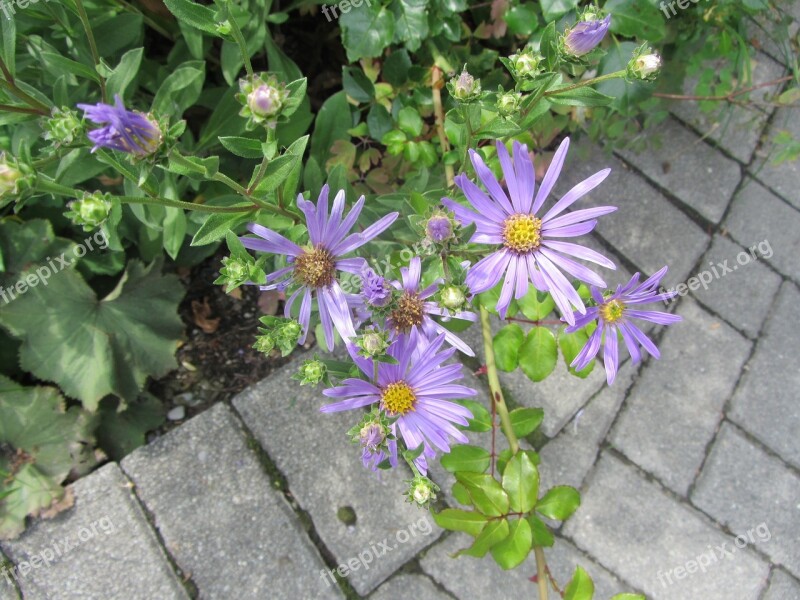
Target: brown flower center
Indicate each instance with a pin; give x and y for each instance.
(409, 312)
(315, 268)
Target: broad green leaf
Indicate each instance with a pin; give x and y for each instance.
(395, 68)
(536, 305)
(411, 22)
(554, 9)
(409, 121)
(571, 344)
(277, 171)
(180, 89)
(367, 31)
(636, 19)
(507, 343)
(481, 420)
(521, 19)
(580, 586)
(120, 433)
(486, 493)
(379, 121)
(541, 533)
(583, 96)
(92, 347)
(461, 494)
(559, 502)
(466, 458)
(525, 420)
(124, 73)
(467, 521)
(512, 551)
(494, 533)
(196, 15)
(56, 64)
(521, 482)
(356, 85)
(333, 121)
(539, 354)
(32, 492)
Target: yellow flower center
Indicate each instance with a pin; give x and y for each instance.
(315, 268)
(398, 398)
(612, 311)
(409, 312)
(522, 233)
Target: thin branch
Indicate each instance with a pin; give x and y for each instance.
(87, 27)
(726, 97)
(436, 86)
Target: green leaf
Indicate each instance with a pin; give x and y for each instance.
(196, 15)
(244, 147)
(628, 597)
(409, 121)
(539, 354)
(56, 64)
(124, 73)
(559, 502)
(367, 31)
(494, 533)
(92, 347)
(542, 536)
(555, 9)
(356, 85)
(461, 494)
(571, 344)
(525, 420)
(507, 343)
(120, 433)
(180, 89)
(395, 68)
(486, 493)
(466, 458)
(481, 420)
(32, 492)
(512, 551)
(521, 19)
(580, 586)
(279, 169)
(536, 305)
(333, 121)
(636, 19)
(217, 225)
(379, 121)
(411, 22)
(454, 519)
(582, 96)
(521, 481)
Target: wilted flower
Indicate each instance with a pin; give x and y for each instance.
(645, 64)
(421, 491)
(263, 97)
(586, 35)
(90, 211)
(465, 87)
(125, 130)
(375, 289)
(613, 314)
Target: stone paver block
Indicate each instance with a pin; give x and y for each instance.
(742, 293)
(736, 129)
(103, 548)
(764, 32)
(220, 516)
(656, 543)
(409, 586)
(7, 589)
(469, 578)
(647, 229)
(675, 407)
(765, 404)
(325, 475)
(685, 165)
(758, 216)
(569, 457)
(754, 494)
(782, 178)
(782, 587)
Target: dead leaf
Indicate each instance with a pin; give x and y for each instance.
(202, 314)
(268, 302)
(58, 506)
(236, 293)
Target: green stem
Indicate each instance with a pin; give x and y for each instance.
(186, 205)
(237, 35)
(45, 184)
(87, 27)
(20, 109)
(541, 572)
(25, 97)
(580, 84)
(494, 383)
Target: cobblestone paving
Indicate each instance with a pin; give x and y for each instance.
(689, 466)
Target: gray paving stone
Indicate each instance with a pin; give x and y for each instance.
(640, 532)
(324, 474)
(221, 518)
(743, 295)
(102, 548)
(765, 404)
(764, 31)
(680, 161)
(735, 128)
(418, 587)
(782, 587)
(568, 458)
(469, 578)
(7, 589)
(757, 215)
(754, 494)
(675, 407)
(784, 178)
(647, 229)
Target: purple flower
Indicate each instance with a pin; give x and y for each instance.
(374, 289)
(416, 391)
(313, 267)
(613, 314)
(125, 130)
(412, 313)
(586, 35)
(532, 246)
(438, 228)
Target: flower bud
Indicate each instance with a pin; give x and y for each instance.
(373, 343)
(374, 288)
(223, 27)
(453, 297)
(311, 372)
(508, 103)
(9, 176)
(90, 211)
(422, 491)
(263, 97)
(526, 64)
(439, 228)
(465, 87)
(645, 64)
(63, 127)
(586, 35)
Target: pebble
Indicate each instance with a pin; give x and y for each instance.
(177, 414)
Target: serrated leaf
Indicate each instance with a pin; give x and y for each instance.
(196, 15)
(486, 493)
(539, 354)
(466, 458)
(512, 551)
(525, 420)
(244, 147)
(32, 492)
(580, 586)
(367, 31)
(494, 533)
(453, 519)
(521, 482)
(507, 343)
(559, 502)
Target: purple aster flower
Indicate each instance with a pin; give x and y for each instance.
(439, 228)
(412, 313)
(313, 268)
(532, 246)
(613, 314)
(586, 35)
(416, 391)
(125, 130)
(374, 288)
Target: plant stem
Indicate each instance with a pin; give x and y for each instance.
(726, 97)
(237, 35)
(21, 109)
(186, 205)
(494, 382)
(27, 98)
(580, 84)
(436, 86)
(87, 27)
(541, 572)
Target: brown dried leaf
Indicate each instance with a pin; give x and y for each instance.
(268, 302)
(202, 316)
(67, 501)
